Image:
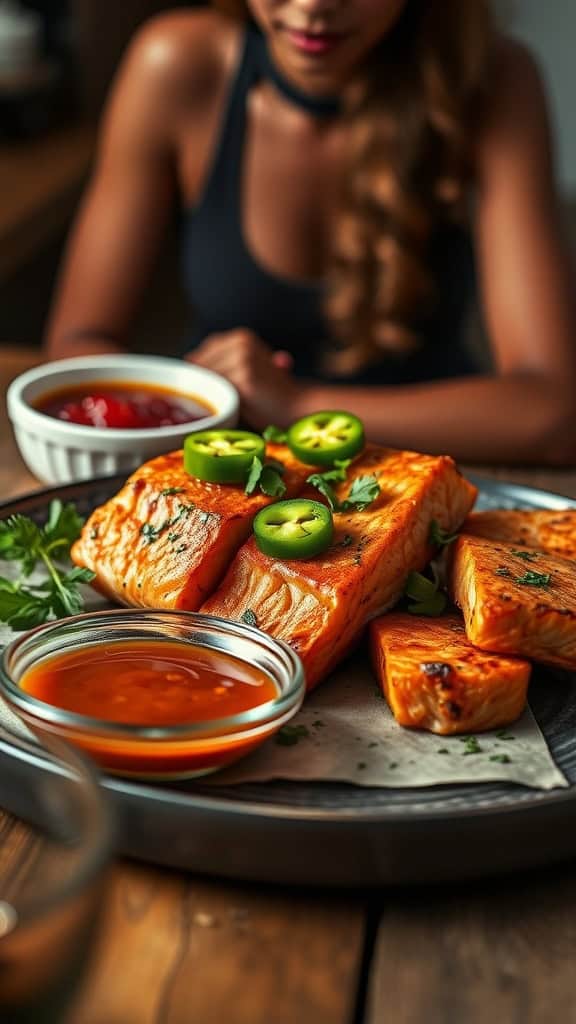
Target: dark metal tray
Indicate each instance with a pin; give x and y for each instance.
(331, 833)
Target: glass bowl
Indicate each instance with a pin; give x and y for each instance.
(57, 840)
(150, 751)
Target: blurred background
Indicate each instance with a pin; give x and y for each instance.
(52, 87)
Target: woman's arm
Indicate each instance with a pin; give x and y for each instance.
(128, 204)
(526, 411)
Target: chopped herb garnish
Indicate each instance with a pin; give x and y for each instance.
(290, 735)
(173, 537)
(527, 556)
(442, 750)
(503, 735)
(471, 745)
(500, 758)
(364, 490)
(529, 579)
(534, 579)
(267, 477)
(271, 483)
(393, 765)
(150, 532)
(274, 434)
(249, 617)
(346, 541)
(181, 548)
(372, 745)
(171, 490)
(440, 537)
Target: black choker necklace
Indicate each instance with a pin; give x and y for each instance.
(321, 106)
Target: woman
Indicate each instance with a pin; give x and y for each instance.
(335, 161)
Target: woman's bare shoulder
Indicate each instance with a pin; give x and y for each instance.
(517, 89)
(190, 52)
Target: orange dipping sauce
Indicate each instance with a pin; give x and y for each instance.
(153, 684)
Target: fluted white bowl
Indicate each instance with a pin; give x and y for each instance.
(59, 452)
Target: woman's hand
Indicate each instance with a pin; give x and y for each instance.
(268, 391)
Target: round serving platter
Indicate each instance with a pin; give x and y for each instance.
(329, 833)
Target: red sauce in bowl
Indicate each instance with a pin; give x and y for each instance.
(122, 405)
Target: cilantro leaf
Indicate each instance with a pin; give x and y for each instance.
(249, 617)
(319, 481)
(254, 475)
(265, 476)
(274, 434)
(363, 492)
(21, 540)
(271, 483)
(439, 536)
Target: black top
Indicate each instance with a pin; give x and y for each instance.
(227, 288)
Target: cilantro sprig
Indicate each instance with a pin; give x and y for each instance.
(24, 542)
(364, 490)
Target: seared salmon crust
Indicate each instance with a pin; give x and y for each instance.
(516, 600)
(321, 606)
(543, 529)
(433, 678)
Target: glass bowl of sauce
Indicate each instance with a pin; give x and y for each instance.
(153, 695)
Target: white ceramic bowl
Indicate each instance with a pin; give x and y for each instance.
(60, 452)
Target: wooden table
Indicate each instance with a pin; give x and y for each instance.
(176, 949)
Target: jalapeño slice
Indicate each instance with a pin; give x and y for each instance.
(222, 456)
(320, 439)
(294, 529)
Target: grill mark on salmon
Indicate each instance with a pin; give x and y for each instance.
(434, 679)
(509, 616)
(320, 606)
(545, 530)
(166, 539)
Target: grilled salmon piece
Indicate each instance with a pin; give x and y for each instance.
(543, 529)
(166, 539)
(516, 600)
(320, 606)
(434, 679)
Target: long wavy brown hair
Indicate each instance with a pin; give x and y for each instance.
(411, 121)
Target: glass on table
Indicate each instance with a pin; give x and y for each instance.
(55, 844)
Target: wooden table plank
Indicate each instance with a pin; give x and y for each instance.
(177, 950)
(501, 952)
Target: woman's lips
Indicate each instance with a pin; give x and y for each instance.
(314, 43)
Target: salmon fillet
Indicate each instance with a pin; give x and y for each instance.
(552, 531)
(320, 606)
(166, 539)
(516, 600)
(434, 679)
